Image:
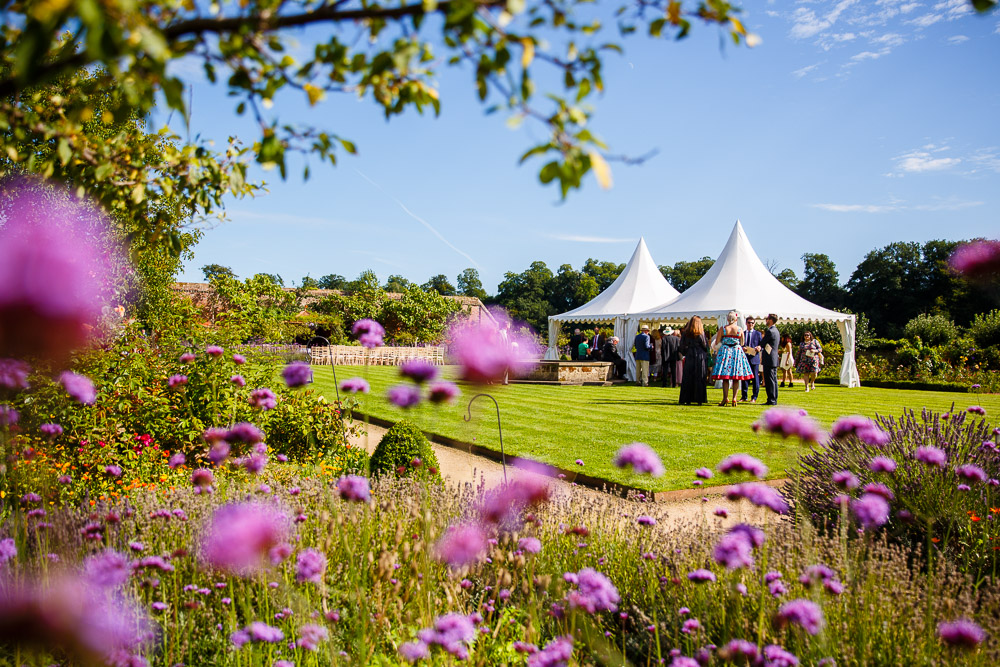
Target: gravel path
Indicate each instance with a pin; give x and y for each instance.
(458, 467)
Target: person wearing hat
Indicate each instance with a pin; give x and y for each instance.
(669, 347)
(574, 345)
(643, 345)
(610, 353)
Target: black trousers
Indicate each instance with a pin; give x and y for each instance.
(755, 382)
(771, 383)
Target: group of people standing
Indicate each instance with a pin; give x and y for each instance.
(744, 358)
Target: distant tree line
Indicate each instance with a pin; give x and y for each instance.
(891, 286)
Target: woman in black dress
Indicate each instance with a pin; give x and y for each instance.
(694, 348)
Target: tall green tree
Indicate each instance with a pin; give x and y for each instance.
(397, 283)
(469, 284)
(211, 271)
(683, 274)
(439, 284)
(604, 273)
(526, 295)
(888, 286)
(572, 288)
(332, 281)
(821, 282)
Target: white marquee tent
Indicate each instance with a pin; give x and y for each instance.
(739, 281)
(639, 286)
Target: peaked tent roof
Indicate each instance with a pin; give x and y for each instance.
(739, 281)
(638, 287)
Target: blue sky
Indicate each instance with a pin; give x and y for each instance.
(853, 124)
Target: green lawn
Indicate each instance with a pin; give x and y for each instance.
(558, 425)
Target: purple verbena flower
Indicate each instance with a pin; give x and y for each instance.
(263, 399)
(297, 374)
(845, 479)
(645, 520)
(79, 387)
(691, 625)
(741, 650)
(962, 633)
(594, 592)
(246, 433)
(414, 651)
(788, 423)
(51, 430)
(776, 656)
(202, 477)
(419, 370)
(239, 359)
(238, 380)
(701, 576)
(641, 458)
(354, 488)
(879, 489)
(871, 510)
(14, 374)
(977, 259)
(8, 415)
(461, 545)
(113, 470)
(760, 495)
(861, 427)
(504, 504)
(529, 545)
(310, 566)
(403, 395)
(176, 461)
(239, 536)
(703, 473)
(557, 653)
(734, 551)
(881, 464)
(108, 569)
(742, 463)
(931, 456)
(452, 632)
(355, 386)
(175, 381)
(443, 392)
(802, 612)
(971, 473)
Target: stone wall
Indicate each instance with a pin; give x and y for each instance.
(204, 297)
(565, 372)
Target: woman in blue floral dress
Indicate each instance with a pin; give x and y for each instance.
(731, 365)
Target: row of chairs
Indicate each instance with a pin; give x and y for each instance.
(355, 355)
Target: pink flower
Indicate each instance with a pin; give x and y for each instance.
(176, 381)
(355, 386)
(297, 374)
(239, 536)
(461, 545)
(79, 387)
(641, 458)
(443, 392)
(977, 260)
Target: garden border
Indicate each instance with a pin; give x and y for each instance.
(571, 476)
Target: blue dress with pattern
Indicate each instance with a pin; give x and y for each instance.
(731, 361)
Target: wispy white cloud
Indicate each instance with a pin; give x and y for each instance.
(920, 161)
(926, 20)
(937, 205)
(587, 239)
(957, 39)
(802, 71)
(807, 24)
(857, 208)
(985, 159)
(870, 55)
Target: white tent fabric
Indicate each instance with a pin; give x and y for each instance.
(739, 281)
(639, 286)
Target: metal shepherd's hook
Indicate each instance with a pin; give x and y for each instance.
(332, 365)
(468, 417)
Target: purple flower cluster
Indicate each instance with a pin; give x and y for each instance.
(971, 473)
(931, 455)
(14, 374)
(788, 423)
(871, 510)
(354, 488)
(594, 592)
(801, 612)
(703, 473)
(452, 632)
(461, 545)
(443, 392)
(962, 633)
(403, 395)
(311, 636)
(297, 374)
(881, 464)
(557, 653)
(742, 463)
(977, 259)
(701, 576)
(760, 495)
(245, 433)
(641, 458)
(735, 549)
(845, 479)
(79, 387)
(310, 566)
(108, 569)
(529, 545)
(419, 370)
(263, 399)
(202, 477)
(355, 386)
(862, 428)
(504, 504)
(239, 536)
(175, 381)
(8, 415)
(51, 430)
(256, 632)
(369, 333)
(776, 656)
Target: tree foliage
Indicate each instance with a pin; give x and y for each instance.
(212, 271)
(469, 284)
(684, 274)
(821, 282)
(332, 281)
(440, 284)
(386, 54)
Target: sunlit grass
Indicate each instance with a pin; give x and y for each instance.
(558, 425)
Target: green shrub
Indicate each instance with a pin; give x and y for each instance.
(985, 329)
(397, 450)
(931, 329)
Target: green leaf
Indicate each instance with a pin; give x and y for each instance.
(349, 146)
(65, 152)
(584, 90)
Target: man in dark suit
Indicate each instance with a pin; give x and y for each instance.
(597, 345)
(769, 351)
(751, 340)
(610, 353)
(574, 345)
(669, 347)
